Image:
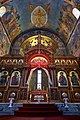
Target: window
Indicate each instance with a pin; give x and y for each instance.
(39, 79)
(2, 11)
(76, 13)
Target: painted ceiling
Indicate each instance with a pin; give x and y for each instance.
(51, 18)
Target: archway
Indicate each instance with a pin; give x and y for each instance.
(39, 80)
(39, 73)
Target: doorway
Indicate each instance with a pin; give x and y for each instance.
(38, 80)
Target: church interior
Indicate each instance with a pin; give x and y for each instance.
(40, 51)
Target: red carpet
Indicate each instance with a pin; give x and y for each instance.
(38, 110)
(41, 118)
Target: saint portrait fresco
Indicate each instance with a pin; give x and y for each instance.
(62, 78)
(74, 79)
(15, 78)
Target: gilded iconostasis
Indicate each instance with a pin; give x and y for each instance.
(40, 35)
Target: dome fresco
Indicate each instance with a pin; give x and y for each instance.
(25, 18)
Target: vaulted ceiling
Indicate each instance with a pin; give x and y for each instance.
(51, 18)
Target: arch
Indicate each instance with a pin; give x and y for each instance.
(34, 53)
(39, 55)
(18, 41)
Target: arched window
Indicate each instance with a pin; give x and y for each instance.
(76, 13)
(2, 11)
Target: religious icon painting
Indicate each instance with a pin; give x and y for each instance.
(74, 79)
(15, 78)
(39, 17)
(62, 79)
(3, 78)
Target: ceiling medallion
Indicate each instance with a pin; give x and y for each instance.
(39, 17)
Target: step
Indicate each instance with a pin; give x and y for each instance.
(38, 109)
(40, 105)
(38, 113)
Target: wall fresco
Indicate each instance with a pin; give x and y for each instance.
(4, 42)
(10, 22)
(59, 20)
(74, 43)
